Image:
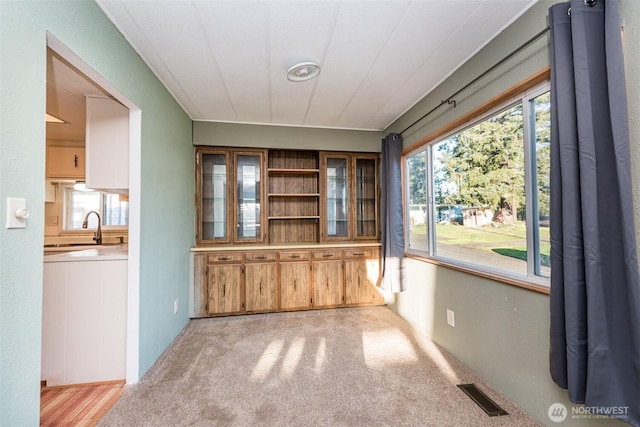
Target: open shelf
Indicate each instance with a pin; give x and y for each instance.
(294, 195)
(295, 217)
(288, 171)
(294, 229)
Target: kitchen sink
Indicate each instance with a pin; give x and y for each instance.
(57, 248)
(73, 245)
(67, 245)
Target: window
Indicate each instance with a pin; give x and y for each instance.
(479, 197)
(113, 211)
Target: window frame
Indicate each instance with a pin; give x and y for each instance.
(64, 213)
(524, 93)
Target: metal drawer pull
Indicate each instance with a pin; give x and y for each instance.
(327, 255)
(224, 258)
(358, 254)
(260, 257)
(294, 256)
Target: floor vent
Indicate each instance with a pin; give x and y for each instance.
(483, 401)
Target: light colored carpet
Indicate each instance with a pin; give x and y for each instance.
(344, 367)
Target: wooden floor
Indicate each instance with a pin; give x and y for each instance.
(81, 405)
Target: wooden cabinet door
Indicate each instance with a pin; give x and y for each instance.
(260, 282)
(249, 185)
(65, 162)
(328, 283)
(328, 278)
(366, 197)
(225, 289)
(361, 278)
(335, 196)
(213, 195)
(294, 285)
(200, 286)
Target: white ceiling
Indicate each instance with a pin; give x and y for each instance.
(227, 60)
(66, 91)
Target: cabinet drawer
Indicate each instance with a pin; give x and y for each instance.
(293, 255)
(260, 256)
(327, 254)
(364, 253)
(225, 257)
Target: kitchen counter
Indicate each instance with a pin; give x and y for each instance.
(87, 253)
(84, 314)
(284, 246)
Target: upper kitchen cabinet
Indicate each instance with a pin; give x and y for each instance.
(212, 182)
(107, 145)
(230, 189)
(286, 197)
(336, 191)
(65, 161)
(366, 200)
(350, 190)
(249, 191)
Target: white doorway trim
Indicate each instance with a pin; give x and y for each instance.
(135, 144)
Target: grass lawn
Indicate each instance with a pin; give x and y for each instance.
(511, 235)
(521, 253)
(458, 234)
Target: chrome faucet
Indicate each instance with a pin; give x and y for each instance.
(98, 235)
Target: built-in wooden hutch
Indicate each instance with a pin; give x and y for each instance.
(281, 230)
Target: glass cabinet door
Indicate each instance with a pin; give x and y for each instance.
(214, 197)
(337, 188)
(248, 196)
(366, 197)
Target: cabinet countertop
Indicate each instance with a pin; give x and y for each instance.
(318, 246)
(99, 253)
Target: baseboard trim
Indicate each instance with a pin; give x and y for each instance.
(110, 382)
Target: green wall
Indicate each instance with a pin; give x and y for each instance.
(501, 331)
(166, 186)
(240, 135)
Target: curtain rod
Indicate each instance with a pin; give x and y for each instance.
(449, 100)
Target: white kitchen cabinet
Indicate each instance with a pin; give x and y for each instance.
(49, 191)
(84, 321)
(107, 145)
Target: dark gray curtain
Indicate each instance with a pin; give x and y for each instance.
(595, 294)
(391, 214)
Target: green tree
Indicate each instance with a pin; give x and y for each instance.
(445, 191)
(483, 166)
(418, 179)
(542, 105)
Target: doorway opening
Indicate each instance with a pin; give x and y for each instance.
(102, 87)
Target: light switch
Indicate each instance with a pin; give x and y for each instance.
(17, 213)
